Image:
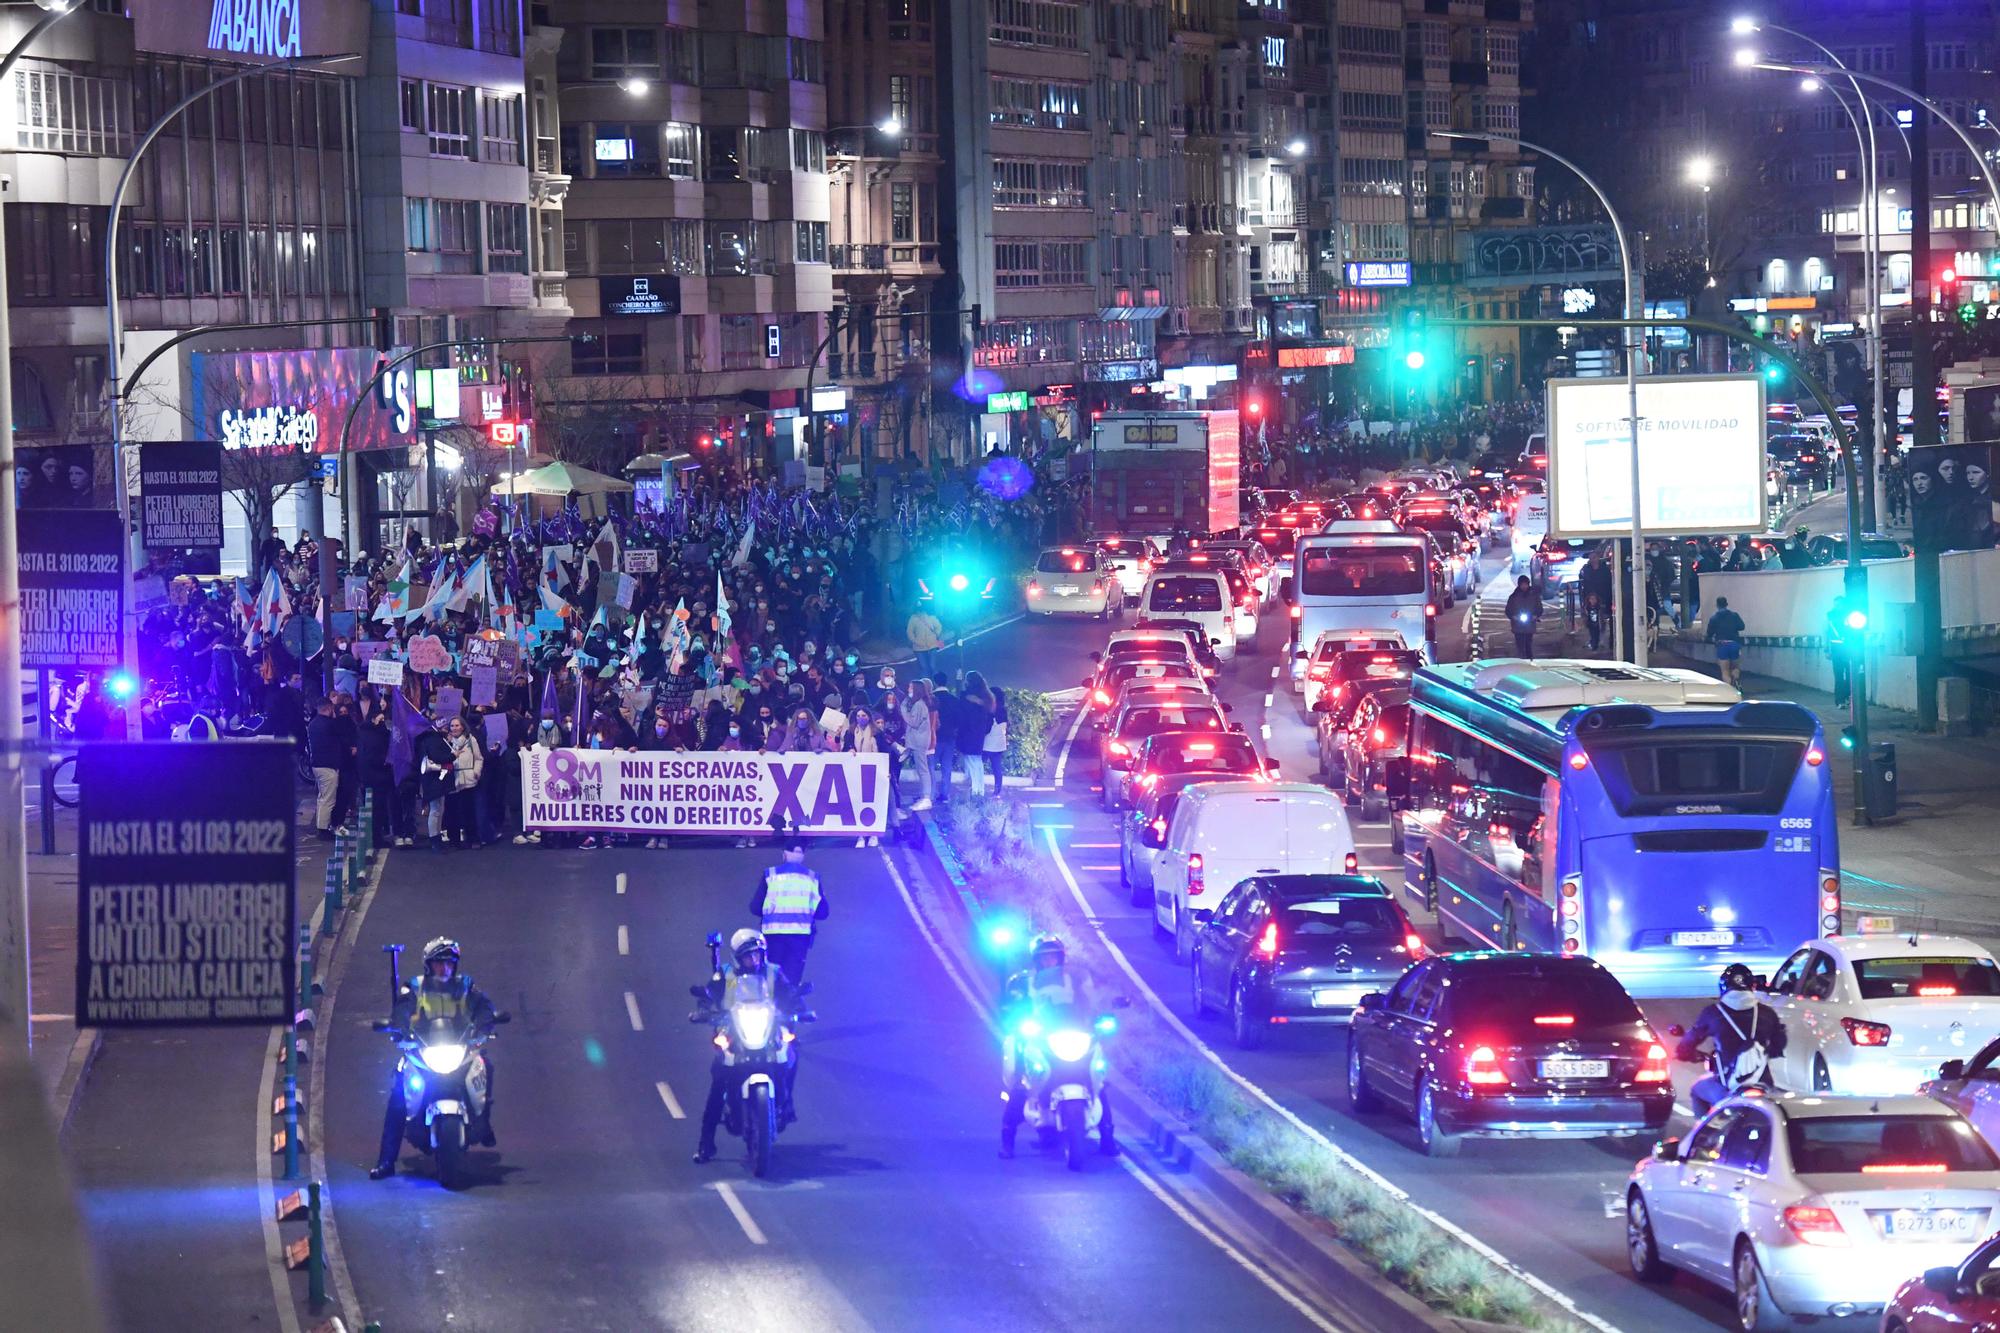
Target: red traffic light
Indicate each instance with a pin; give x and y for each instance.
(1254, 406)
(1947, 276)
(706, 442)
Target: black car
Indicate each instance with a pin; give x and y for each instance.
(1509, 1045)
(1285, 949)
(1204, 649)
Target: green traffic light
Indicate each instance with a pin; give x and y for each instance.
(1857, 620)
(1847, 738)
(958, 583)
(1774, 373)
(1414, 360)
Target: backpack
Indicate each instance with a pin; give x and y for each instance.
(1751, 1063)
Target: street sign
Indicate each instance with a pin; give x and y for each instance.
(1701, 456)
(774, 343)
(327, 467)
(1013, 400)
(186, 907)
(72, 589)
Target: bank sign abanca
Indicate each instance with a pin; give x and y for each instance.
(265, 28)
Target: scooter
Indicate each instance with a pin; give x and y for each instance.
(756, 1039)
(1057, 1064)
(444, 1089)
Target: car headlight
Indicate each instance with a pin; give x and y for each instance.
(753, 1024)
(1069, 1045)
(443, 1059)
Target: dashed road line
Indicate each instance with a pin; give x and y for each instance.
(668, 1099)
(624, 941)
(632, 1012)
(751, 1231)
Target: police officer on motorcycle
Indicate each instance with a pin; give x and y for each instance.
(787, 903)
(1748, 1036)
(440, 991)
(1045, 984)
(753, 969)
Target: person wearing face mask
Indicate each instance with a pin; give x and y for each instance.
(659, 733)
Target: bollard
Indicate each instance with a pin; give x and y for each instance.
(368, 820)
(357, 863)
(305, 964)
(326, 919)
(292, 1102)
(316, 1261)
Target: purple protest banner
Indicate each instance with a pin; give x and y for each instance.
(450, 701)
(735, 792)
(496, 729)
(485, 686)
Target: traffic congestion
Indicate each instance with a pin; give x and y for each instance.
(1536, 917)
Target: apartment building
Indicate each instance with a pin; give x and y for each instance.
(695, 230)
(1208, 305)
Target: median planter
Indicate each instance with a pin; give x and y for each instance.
(1007, 877)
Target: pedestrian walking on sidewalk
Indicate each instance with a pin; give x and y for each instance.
(1597, 590)
(1524, 612)
(1725, 631)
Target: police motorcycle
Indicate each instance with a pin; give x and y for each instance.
(444, 1088)
(755, 1039)
(1056, 1064)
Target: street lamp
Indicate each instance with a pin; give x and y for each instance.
(636, 87)
(1633, 312)
(1296, 148)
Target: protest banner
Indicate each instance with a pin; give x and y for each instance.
(428, 653)
(727, 792)
(640, 560)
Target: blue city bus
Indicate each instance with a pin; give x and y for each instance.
(1648, 817)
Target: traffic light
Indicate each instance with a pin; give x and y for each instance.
(1968, 314)
(1416, 335)
(1253, 406)
(1856, 620)
(1774, 373)
(1847, 738)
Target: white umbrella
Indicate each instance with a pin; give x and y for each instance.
(560, 479)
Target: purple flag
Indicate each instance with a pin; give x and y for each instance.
(405, 725)
(551, 706)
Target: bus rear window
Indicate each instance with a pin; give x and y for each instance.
(1683, 772)
(1903, 978)
(1193, 593)
(1362, 571)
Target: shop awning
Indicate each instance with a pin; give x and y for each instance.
(560, 479)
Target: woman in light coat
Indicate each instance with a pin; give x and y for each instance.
(920, 736)
(461, 812)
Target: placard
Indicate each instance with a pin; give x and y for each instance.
(485, 686)
(357, 593)
(450, 701)
(187, 914)
(731, 792)
(482, 652)
(547, 620)
(72, 589)
(367, 650)
(385, 671)
(496, 729)
(628, 588)
(428, 653)
(642, 560)
(180, 496)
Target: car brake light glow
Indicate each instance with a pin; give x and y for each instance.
(1413, 944)
(1103, 698)
(1655, 1068)
(1579, 761)
(1555, 1020)
(1195, 878)
(1903, 1168)
(1202, 747)
(1430, 610)
(1937, 990)
(1814, 757)
(1815, 1225)
(1160, 827)
(1320, 670)
(1482, 1067)
(1352, 863)
(1267, 943)
(1120, 747)
(1864, 1033)
(1379, 736)
(1297, 612)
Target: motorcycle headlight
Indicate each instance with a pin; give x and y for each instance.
(754, 1023)
(1069, 1045)
(443, 1059)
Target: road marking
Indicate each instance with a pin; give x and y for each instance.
(632, 1011)
(1062, 755)
(937, 946)
(1274, 673)
(667, 1096)
(1092, 846)
(1102, 868)
(1265, 731)
(1269, 699)
(1236, 1256)
(751, 1231)
(1345, 1158)
(621, 881)
(624, 941)
(1045, 805)
(1683, 1110)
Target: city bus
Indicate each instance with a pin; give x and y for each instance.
(1366, 576)
(1650, 818)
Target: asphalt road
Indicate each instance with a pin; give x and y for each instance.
(1543, 1205)
(888, 1206)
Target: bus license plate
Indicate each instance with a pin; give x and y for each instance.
(1576, 1068)
(1343, 998)
(1696, 939)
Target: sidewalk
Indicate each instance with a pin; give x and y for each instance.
(1933, 863)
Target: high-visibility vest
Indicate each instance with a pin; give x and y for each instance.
(790, 899)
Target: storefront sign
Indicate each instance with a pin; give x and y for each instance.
(1122, 372)
(186, 909)
(1015, 400)
(723, 792)
(1296, 358)
(72, 591)
(650, 294)
(1379, 273)
(254, 31)
(276, 427)
(180, 495)
(296, 399)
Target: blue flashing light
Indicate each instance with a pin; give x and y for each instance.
(1774, 373)
(121, 685)
(1028, 1027)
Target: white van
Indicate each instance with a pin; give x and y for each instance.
(1224, 832)
(1531, 524)
(1193, 595)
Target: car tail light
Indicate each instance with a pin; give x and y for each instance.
(1903, 1168)
(1579, 761)
(1320, 670)
(1034, 588)
(1297, 612)
(1555, 1020)
(1195, 876)
(1379, 736)
(1829, 902)
(1814, 757)
(1149, 781)
(1120, 747)
(1267, 943)
(1352, 863)
(1202, 747)
(1935, 991)
(1654, 1070)
(1864, 1033)
(1815, 1225)
(1097, 585)
(1103, 698)
(1430, 610)
(1413, 944)
(1482, 1068)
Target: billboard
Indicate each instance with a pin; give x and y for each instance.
(72, 589)
(1701, 456)
(1951, 496)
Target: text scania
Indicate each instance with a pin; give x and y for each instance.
(255, 28)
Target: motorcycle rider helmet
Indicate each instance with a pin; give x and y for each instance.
(443, 949)
(1047, 950)
(745, 941)
(1736, 976)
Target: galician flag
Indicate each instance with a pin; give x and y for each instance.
(471, 586)
(679, 639)
(721, 607)
(638, 644)
(551, 599)
(273, 606)
(396, 598)
(434, 606)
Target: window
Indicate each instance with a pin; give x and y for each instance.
(740, 247)
(607, 347)
(455, 235)
(1050, 23)
(450, 120)
(1904, 976)
(1503, 51)
(1373, 46)
(809, 150)
(1777, 274)
(506, 238)
(500, 129)
(619, 148)
(677, 150)
(1502, 115)
(1746, 1146)
(684, 246)
(899, 98)
(1381, 110)
(806, 60)
(1850, 1145)
(1046, 104)
(1025, 184)
(1017, 264)
(902, 212)
(1949, 55)
(417, 224)
(624, 53)
(413, 105)
(809, 242)
(55, 253)
(680, 55)
(1371, 175)
(909, 20)
(72, 113)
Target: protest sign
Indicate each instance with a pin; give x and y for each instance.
(186, 910)
(546, 619)
(385, 671)
(428, 653)
(485, 686)
(357, 593)
(481, 652)
(732, 792)
(72, 589)
(642, 561)
(628, 588)
(367, 650)
(496, 729)
(450, 701)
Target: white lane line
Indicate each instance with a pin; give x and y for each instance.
(1215, 1238)
(1092, 846)
(1265, 731)
(751, 1231)
(1274, 673)
(667, 1098)
(1268, 699)
(1683, 1110)
(621, 881)
(986, 1016)
(1345, 1158)
(632, 1012)
(1106, 869)
(1062, 755)
(1045, 805)
(624, 941)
